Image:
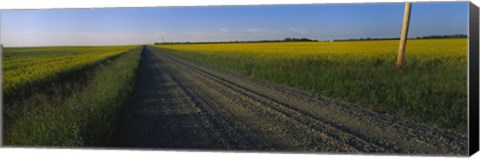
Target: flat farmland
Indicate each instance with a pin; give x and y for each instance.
(430, 89)
(65, 96)
(293, 79)
(278, 96)
(180, 103)
(24, 68)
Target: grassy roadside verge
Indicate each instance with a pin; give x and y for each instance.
(59, 83)
(85, 117)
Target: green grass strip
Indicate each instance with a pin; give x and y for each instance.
(85, 117)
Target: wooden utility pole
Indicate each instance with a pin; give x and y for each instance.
(403, 36)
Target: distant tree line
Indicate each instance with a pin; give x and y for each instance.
(299, 40)
(365, 39)
(421, 37)
(289, 39)
(443, 36)
(220, 42)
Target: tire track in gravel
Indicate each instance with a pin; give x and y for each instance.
(187, 105)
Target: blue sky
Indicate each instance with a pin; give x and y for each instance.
(116, 26)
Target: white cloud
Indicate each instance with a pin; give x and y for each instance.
(30, 38)
(224, 30)
(299, 30)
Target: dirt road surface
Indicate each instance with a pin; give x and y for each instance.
(180, 104)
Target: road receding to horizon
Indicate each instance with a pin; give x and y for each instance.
(184, 105)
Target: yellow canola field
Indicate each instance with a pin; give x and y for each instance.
(23, 67)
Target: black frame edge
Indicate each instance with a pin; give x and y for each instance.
(473, 79)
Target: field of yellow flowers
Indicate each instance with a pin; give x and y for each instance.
(432, 88)
(28, 67)
(66, 96)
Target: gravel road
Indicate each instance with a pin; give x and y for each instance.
(180, 104)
